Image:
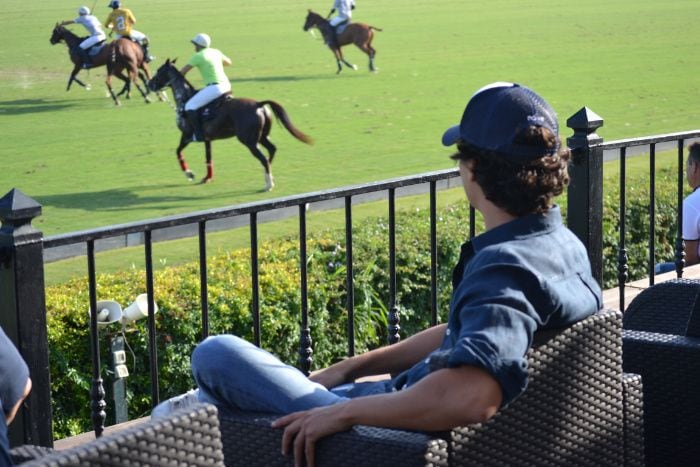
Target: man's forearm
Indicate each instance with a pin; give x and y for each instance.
(440, 401)
(397, 357)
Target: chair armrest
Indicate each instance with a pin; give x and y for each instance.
(249, 440)
(670, 369)
(187, 437)
(633, 413)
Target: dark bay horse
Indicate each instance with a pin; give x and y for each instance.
(359, 34)
(117, 56)
(247, 119)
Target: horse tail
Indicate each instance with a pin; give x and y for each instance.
(282, 116)
(374, 28)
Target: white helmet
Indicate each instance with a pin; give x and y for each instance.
(83, 10)
(202, 40)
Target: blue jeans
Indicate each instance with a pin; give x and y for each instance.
(234, 374)
(661, 268)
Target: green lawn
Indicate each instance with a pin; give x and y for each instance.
(90, 164)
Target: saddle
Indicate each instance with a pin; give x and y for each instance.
(208, 111)
(341, 27)
(94, 49)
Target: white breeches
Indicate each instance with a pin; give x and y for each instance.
(207, 94)
(336, 20)
(136, 36)
(92, 40)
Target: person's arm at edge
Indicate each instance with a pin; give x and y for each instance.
(185, 69)
(691, 252)
(13, 411)
(225, 60)
(442, 400)
(388, 359)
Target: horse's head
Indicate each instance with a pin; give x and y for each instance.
(164, 76)
(57, 34)
(312, 19)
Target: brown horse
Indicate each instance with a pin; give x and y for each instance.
(359, 34)
(127, 55)
(247, 119)
(110, 54)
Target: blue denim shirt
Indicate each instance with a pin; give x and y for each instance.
(528, 274)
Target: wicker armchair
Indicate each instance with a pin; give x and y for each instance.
(577, 410)
(664, 307)
(661, 343)
(189, 437)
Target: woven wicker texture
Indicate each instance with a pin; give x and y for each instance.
(634, 419)
(249, 441)
(670, 369)
(28, 452)
(189, 437)
(572, 411)
(664, 307)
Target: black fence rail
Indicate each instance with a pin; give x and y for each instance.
(22, 247)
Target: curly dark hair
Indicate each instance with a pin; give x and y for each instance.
(694, 151)
(517, 188)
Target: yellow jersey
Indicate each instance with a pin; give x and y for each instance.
(120, 20)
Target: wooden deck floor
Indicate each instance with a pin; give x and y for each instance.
(611, 297)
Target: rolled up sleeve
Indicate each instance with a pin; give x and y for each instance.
(13, 374)
(494, 323)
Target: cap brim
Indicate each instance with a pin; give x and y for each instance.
(450, 136)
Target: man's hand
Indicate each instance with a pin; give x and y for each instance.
(329, 377)
(304, 429)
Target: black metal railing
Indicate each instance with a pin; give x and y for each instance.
(252, 211)
(623, 148)
(23, 309)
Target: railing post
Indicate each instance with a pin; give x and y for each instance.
(23, 312)
(585, 194)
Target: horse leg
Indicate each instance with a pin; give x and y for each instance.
(340, 57)
(265, 140)
(210, 165)
(144, 94)
(252, 146)
(369, 50)
(108, 81)
(184, 141)
(72, 77)
(127, 84)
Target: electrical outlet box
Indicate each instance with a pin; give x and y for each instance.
(119, 357)
(122, 371)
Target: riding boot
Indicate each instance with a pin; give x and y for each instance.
(85, 58)
(334, 38)
(146, 56)
(196, 123)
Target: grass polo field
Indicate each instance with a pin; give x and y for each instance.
(92, 164)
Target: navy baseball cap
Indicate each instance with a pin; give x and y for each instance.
(496, 114)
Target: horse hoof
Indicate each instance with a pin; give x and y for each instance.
(354, 67)
(205, 180)
(189, 175)
(88, 87)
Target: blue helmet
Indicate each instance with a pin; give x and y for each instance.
(115, 4)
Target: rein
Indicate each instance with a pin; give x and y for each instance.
(181, 88)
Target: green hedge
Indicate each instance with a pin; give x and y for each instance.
(637, 225)
(178, 321)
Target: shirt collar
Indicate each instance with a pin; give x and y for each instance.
(522, 227)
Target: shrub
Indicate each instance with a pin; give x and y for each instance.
(178, 321)
(177, 289)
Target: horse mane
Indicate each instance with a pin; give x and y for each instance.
(320, 18)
